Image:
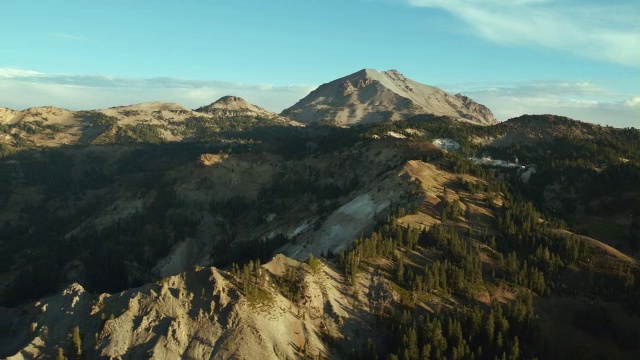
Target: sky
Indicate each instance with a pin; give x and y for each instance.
(576, 58)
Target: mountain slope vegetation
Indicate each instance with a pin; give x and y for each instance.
(247, 235)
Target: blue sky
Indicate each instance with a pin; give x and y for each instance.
(579, 58)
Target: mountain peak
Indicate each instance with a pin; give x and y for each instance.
(233, 106)
(375, 75)
(367, 73)
(232, 100)
(369, 96)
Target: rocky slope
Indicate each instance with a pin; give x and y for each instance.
(370, 96)
(203, 313)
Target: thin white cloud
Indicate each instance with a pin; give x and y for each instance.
(21, 89)
(604, 30)
(68, 36)
(577, 100)
(581, 100)
(16, 73)
(634, 102)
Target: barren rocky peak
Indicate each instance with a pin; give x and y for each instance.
(233, 106)
(370, 96)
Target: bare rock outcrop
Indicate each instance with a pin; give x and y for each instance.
(203, 313)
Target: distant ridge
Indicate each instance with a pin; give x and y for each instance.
(370, 96)
(152, 122)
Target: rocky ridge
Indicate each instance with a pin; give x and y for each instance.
(201, 313)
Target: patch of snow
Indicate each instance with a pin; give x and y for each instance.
(526, 174)
(301, 227)
(488, 161)
(289, 231)
(396, 135)
(413, 132)
(446, 144)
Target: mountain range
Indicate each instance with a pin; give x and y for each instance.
(367, 96)
(376, 218)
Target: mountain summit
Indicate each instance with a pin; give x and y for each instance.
(370, 96)
(234, 106)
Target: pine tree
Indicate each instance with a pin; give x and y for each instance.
(76, 341)
(60, 355)
(489, 327)
(499, 341)
(426, 352)
(515, 349)
(400, 270)
(314, 264)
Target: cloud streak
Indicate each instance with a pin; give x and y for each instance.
(581, 100)
(578, 100)
(605, 30)
(68, 36)
(20, 89)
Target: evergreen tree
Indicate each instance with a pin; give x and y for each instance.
(60, 354)
(76, 342)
